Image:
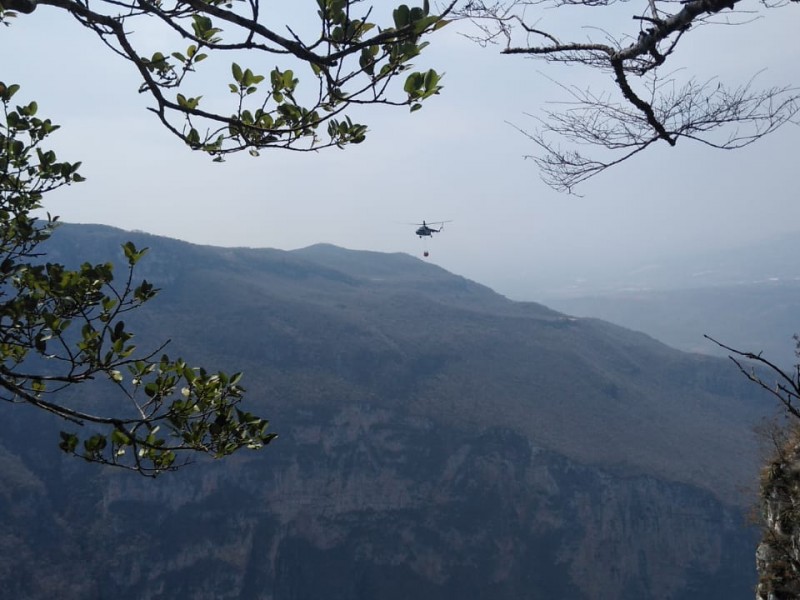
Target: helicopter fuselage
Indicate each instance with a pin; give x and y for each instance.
(426, 231)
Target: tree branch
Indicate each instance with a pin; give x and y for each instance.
(667, 112)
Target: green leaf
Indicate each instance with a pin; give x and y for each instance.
(247, 78)
(401, 16)
(237, 73)
(69, 441)
(95, 444)
(6, 92)
(120, 438)
(413, 83)
(421, 24)
(431, 79)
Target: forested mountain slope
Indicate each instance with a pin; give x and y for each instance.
(436, 440)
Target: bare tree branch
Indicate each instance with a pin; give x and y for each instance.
(786, 387)
(652, 106)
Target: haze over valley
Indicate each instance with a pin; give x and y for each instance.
(746, 296)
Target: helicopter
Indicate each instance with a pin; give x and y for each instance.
(426, 230)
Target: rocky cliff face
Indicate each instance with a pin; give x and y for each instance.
(778, 555)
(355, 503)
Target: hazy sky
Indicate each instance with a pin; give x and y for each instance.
(455, 159)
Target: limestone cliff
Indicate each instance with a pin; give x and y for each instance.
(778, 556)
(356, 503)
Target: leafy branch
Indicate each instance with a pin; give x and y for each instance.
(350, 61)
(61, 327)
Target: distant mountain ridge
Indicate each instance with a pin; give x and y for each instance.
(436, 440)
(747, 298)
(771, 260)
